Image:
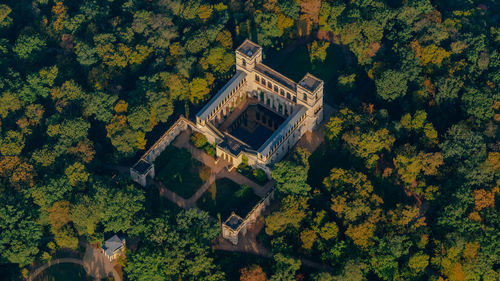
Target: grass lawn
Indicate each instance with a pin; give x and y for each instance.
(64, 272)
(179, 172)
(225, 196)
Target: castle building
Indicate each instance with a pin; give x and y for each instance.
(259, 113)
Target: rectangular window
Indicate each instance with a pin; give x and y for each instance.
(262, 96)
(305, 97)
(288, 96)
(268, 102)
(263, 81)
(269, 85)
(294, 99)
(257, 78)
(275, 88)
(282, 92)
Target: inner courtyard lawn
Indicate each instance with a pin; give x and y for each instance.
(179, 172)
(226, 196)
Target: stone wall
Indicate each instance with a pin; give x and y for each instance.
(232, 235)
(150, 155)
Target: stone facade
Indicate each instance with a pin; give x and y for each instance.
(301, 105)
(145, 167)
(235, 225)
(288, 111)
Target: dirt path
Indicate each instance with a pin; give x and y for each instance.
(94, 263)
(40, 269)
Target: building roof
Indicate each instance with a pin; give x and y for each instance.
(248, 48)
(282, 130)
(221, 95)
(112, 244)
(232, 144)
(234, 221)
(310, 82)
(142, 166)
(276, 76)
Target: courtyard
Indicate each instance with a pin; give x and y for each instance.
(179, 172)
(255, 125)
(225, 196)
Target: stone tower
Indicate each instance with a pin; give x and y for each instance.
(247, 56)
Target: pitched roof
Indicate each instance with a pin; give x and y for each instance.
(221, 95)
(112, 244)
(281, 132)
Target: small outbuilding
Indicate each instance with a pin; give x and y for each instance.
(113, 247)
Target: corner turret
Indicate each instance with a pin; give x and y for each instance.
(248, 54)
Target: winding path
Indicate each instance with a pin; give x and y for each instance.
(94, 263)
(39, 270)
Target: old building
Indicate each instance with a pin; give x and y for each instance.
(260, 113)
(113, 247)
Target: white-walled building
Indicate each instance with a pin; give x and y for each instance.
(260, 113)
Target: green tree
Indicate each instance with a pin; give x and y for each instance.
(291, 212)
(354, 200)
(27, 46)
(76, 173)
(20, 233)
(12, 143)
(391, 85)
(369, 145)
(291, 178)
(176, 248)
(285, 268)
(198, 89)
(317, 51)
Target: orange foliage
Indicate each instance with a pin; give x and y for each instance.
(59, 214)
(23, 174)
(416, 48)
(429, 86)
(387, 172)
(309, 15)
(372, 49)
(475, 216)
(253, 273)
(494, 160)
(16, 171)
(310, 10)
(60, 12)
(470, 250)
(457, 273)
(83, 149)
(8, 164)
(361, 234)
(484, 199)
(121, 106)
(67, 43)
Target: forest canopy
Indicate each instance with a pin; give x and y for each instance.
(404, 187)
